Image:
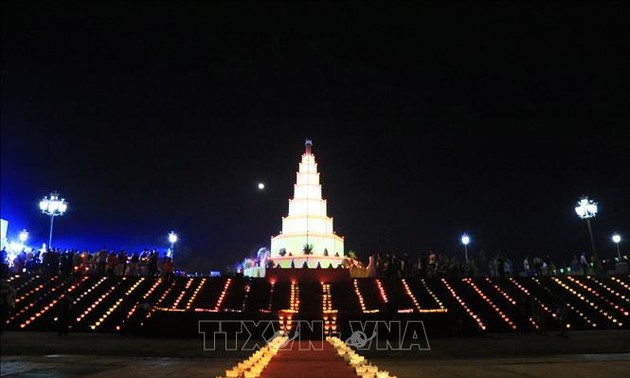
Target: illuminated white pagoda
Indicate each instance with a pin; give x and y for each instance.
(307, 224)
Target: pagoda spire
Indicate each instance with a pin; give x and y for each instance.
(308, 144)
(307, 234)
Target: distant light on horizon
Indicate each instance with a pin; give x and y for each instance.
(261, 186)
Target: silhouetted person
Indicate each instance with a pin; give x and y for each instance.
(584, 263)
(501, 266)
(7, 301)
(64, 315)
(563, 319)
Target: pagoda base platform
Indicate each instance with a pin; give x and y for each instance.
(302, 262)
(299, 274)
(308, 275)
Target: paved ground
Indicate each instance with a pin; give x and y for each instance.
(583, 354)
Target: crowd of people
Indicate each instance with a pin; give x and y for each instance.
(101, 263)
(432, 264)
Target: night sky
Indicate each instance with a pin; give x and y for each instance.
(427, 121)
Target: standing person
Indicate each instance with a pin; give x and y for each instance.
(65, 264)
(133, 264)
(76, 263)
(432, 264)
(508, 267)
(539, 318)
(501, 266)
(371, 268)
(122, 263)
(406, 266)
(112, 261)
(561, 315)
(492, 267)
(144, 262)
(153, 264)
(7, 301)
(64, 315)
(167, 269)
(526, 266)
(421, 268)
(584, 263)
(537, 266)
(101, 261)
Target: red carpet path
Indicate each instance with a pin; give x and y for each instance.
(308, 363)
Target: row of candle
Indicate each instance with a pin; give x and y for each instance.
(599, 296)
(361, 366)
(620, 283)
(32, 304)
(381, 291)
(50, 305)
(217, 306)
(113, 307)
(503, 293)
(24, 284)
(96, 303)
(89, 290)
(247, 290)
(294, 299)
(146, 295)
(270, 302)
(285, 317)
(192, 298)
(435, 297)
(329, 315)
(410, 294)
(569, 305)
(464, 305)
(182, 294)
(610, 290)
(285, 320)
(161, 299)
(253, 366)
(417, 304)
(526, 292)
(178, 299)
(326, 298)
(361, 300)
(33, 290)
(490, 303)
(587, 301)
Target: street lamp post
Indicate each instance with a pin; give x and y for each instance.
(587, 209)
(616, 239)
(53, 206)
(172, 237)
(465, 241)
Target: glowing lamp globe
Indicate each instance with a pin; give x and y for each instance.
(586, 208)
(261, 186)
(616, 238)
(23, 236)
(54, 205)
(172, 237)
(465, 239)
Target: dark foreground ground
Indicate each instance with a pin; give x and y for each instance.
(582, 354)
